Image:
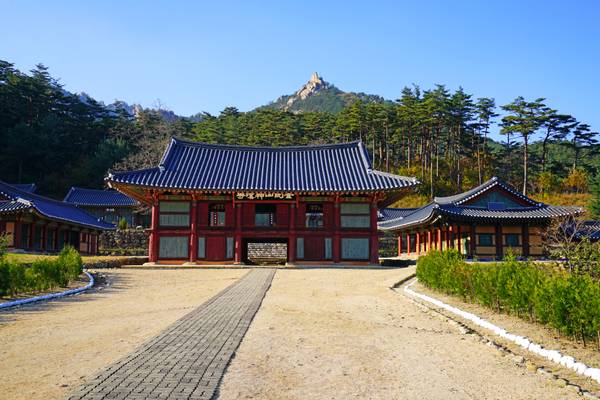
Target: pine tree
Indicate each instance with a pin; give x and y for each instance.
(594, 205)
(524, 119)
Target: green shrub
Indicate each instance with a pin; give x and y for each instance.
(122, 224)
(5, 240)
(568, 302)
(70, 262)
(4, 277)
(42, 274)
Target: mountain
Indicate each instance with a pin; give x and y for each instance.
(319, 95)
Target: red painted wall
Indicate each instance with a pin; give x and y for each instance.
(215, 248)
(314, 238)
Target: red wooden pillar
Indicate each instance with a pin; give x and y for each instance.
(194, 231)
(153, 242)
(525, 239)
(459, 239)
(448, 237)
(238, 234)
(429, 240)
(43, 237)
(292, 235)
(472, 241)
(374, 246)
(408, 243)
(439, 239)
(31, 235)
(399, 244)
(336, 231)
(17, 233)
(418, 243)
(499, 244)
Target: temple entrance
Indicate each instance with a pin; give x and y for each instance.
(265, 251)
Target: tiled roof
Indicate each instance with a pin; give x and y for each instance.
(26, 187)
(391, 213)
(451, 207)
(469, 194)
(591, 229)
(329, 168)
(49, 208)
(417, 217)
(98, 197)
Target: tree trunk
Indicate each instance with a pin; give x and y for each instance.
(525, 162)
(545, 150)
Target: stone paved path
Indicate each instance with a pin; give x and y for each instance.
(188, 359)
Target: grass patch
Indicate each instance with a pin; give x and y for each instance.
(29, 258)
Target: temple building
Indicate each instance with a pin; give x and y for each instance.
(484, 222)
(39, 224)
(108, 205)
(234, 204)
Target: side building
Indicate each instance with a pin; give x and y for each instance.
(40, 224)
(235, 204)
(108, 205)
(484, 222)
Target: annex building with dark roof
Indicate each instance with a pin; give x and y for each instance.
(108, 205)
(41, 224)
(485, 222)
(234, 204)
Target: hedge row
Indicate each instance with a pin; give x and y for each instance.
(570, 303)
(42, 274)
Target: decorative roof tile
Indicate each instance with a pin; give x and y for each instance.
(8, 206)
(50, 208)
(98, 198)
(328, 168)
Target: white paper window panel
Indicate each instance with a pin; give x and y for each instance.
(355, 248)
(173, 247)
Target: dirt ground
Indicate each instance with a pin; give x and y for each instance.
(547, 337)
(342, 334)
(48, 349)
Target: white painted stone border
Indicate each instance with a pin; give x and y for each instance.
(552, 355)
(69, 292)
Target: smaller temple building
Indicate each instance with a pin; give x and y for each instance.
(484, 222)
(236, 204)
(108, 205)
(40, 224)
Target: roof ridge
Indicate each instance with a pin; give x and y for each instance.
(410, 178)
(92, 189)
(263, 148)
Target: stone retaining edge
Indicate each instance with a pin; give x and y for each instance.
(552, 355)
(50, 296)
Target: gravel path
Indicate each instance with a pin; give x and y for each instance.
(187, 360)
(342, 334)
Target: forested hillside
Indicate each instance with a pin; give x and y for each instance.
(55, 139)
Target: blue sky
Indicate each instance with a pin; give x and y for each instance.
(204, 56)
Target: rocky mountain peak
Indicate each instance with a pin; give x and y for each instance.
(311, 87)
(315, 78)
